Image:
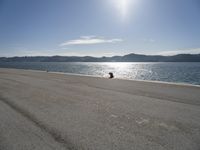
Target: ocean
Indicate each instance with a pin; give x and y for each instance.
(178, 72)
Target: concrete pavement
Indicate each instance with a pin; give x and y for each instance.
(40, 110)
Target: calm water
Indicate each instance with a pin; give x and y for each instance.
(170, 72)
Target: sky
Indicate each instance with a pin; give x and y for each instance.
(99, 27)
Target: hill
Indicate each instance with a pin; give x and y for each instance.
(126, 58)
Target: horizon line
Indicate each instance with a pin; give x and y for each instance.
(98, 56)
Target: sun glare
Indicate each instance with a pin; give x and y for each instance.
(122, 6)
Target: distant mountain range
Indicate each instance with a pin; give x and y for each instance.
(126, 58)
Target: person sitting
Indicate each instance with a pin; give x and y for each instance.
(111, 75)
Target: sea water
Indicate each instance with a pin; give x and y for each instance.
(179, 72)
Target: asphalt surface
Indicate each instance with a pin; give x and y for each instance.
(40, 110)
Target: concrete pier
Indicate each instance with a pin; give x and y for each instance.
(44, 110)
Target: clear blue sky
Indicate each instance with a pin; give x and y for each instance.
(99, 27)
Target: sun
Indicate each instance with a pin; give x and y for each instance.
(122, 6)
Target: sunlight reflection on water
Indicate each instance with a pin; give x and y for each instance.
(129, 70)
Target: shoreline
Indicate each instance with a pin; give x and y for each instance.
(137, 80)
